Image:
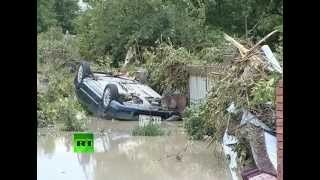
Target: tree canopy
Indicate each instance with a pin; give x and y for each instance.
(56, 13)
(110, 27)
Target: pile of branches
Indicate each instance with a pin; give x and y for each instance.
(236, 85)
(166, 67)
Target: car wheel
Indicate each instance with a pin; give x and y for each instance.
(83, 72)
(110, 93)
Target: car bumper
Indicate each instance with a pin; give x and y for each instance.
(132, 112)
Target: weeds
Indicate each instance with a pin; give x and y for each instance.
(148, 130)
(58, 103)
(195, 122)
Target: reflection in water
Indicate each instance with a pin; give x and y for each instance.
(68, 142)
(84, 160)
(119, 156)
(47, 144)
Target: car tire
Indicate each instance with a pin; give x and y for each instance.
(110, 93)
(83, 72)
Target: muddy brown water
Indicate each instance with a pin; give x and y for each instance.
(120, 156)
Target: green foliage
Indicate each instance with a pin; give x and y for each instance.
(111, 27)
(102, 64)
(72, 114)
(261, 17)
(114, 26)
(279, 47)
(56, 48)
(249, 91)
(263, 92)
(44, 113)
(56, 13)
(45, 15)
(195, 122)
(148, 130)
(66, 11)
(167, 68)
(66, 110)
(60, 86)
(58, 103)
(216, 53)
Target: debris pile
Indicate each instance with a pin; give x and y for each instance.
(244, 97)
(238, 85)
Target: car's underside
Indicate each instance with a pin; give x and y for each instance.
(119, 96)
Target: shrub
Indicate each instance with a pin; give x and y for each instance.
(195, 122)
(66, 110)
(60, 85)
(167, 68)
(72, 114)
(43, 121)
(102, 64)
(148, 130)
(56, 47)
(58, 104)
(264, 91)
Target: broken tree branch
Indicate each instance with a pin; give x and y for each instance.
(263, 39)
(242, 49)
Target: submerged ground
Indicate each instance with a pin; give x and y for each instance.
(120, 156)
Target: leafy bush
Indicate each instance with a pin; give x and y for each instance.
(110, 28)
(148, 130)
(53, 108)
(167, 68)
(58, 103)
(66, 110)
(56, 47)
(217, 52)
(211, 54)
(72, 114)
(43, 120)
(102, 64)
(195, 122)
(263, 92)
(60, 85)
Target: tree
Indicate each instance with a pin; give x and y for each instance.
(45, 15)
(56, 13)
(66, 11)
(111, 27)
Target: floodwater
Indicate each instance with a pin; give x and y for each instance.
(120, 156)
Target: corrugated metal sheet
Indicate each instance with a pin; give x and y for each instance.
(200, 80)
(197, 88)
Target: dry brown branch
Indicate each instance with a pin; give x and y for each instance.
(263, 39)
(251, 54)
(241, 48)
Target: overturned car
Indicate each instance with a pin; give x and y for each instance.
(118, 96)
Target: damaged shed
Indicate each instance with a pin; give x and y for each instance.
(200, 81)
